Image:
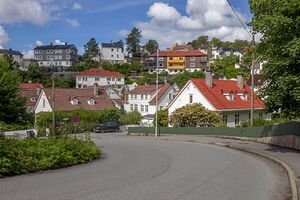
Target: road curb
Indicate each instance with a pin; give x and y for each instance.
(289, 171)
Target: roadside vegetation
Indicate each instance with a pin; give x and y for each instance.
(32, 155)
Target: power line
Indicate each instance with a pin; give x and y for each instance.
(238, 17)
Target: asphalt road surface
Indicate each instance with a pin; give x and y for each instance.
(148, 169)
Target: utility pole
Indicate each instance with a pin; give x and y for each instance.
(252, 83)
(156, 96)
(53, 99)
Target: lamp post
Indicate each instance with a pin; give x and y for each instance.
(53, 97)
(156, 96)
(252, 83)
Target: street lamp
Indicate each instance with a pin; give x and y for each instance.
(156, 96)
(53, 97)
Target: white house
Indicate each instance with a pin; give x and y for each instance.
(111, 52)
(227, 97)
(216, 52)
(15, 55)
(143, 99)
(101, 77)
(92, 98)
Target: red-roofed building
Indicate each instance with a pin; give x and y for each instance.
(92, 98)
(100, 76)
(31, 92)
(143, 99)
(232, 99)
(177, 61)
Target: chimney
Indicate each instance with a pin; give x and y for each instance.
(96, 90)
(240, 81)
(66, 43)
(38, 91)
(208, 79)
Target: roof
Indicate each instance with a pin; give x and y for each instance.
(10, 52)
(99, 72)
(32, 86)
(258, 80)
(160, 93)
(63, 99)
(215, 94)
(112, 45)
(180, 53)
(55, 46)
(142, 89)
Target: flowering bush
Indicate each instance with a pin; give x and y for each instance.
(195, 115)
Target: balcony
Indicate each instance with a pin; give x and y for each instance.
(179, 66)
(176, 59)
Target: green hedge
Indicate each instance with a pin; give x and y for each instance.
(14, 127)
(30, 155)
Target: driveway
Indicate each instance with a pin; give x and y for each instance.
(149, 169)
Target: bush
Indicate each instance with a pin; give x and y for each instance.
(195, 115)
(30, 155)
(14, 127)
(162, 118)
(131, 118)
(262, 122)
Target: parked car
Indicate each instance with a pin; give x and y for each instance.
(107, 127)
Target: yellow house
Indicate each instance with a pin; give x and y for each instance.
(176, 63)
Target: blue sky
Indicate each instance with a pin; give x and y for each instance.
(26, 23)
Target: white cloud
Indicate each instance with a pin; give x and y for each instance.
(39, 43)
(58, 42)
(28, 54)
(18, 11)
(204, 17)
(72, 22)
(124, 32)
(76, 6)
(3, 37)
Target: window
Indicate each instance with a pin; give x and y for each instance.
(142, 96)
(225, 119)
(142, 108)
(236, 119)
(171, 58)
(160, 58)
(231, 96)
(119, 79)
(68, 50)
(180, 58)
(170, 96)
(68, 56)
(91, 101)
(260, 115)
(249, 116)
(97, 78)
(44, 103)
(113, 79)
(161, 107)
(146, 108)
(135, 107)
(203, 58)
(112, 55)
(67, 63)
(84, 86)
(245, 96)
(161, 64)
(192, 64)
(112, 49)
(192, 58)
(135, 96)
(84, 78)
(117, 55)
(108, 79)
(131, 107)
(191, 98)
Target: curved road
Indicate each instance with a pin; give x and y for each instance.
(144, 169)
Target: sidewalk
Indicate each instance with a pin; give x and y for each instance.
(288, 156)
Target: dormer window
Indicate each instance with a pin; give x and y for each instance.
(74, 101)
(32, 99)
(91, 101)
(230, 96)
(244, 96)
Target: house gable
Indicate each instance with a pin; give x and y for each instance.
(43, 104)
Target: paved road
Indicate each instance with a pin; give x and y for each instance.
(147, 169)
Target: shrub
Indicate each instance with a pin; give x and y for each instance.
(130, 118)
(195, 115)
(30, 155)
(162, 118)
(14, 127)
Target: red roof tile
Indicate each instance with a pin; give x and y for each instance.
(161, 92)
(179, 53)
(215, 95)
(63, 97)
(99, 72)
(140, 89)
(30, 85)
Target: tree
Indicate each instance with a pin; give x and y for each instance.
(133, 42)
(12, 106)
(195, 115)
(182, 78)
(34, 74)
(91, 49)
(279, 24)
(151, 46)
(162, 118)
(201, 41)
(131, 118)
(226, 66)
(216, 42)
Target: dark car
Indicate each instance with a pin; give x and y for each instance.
(107, 127)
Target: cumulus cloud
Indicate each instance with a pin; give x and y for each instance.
(203, 17)
(72, 23)
(28, 54)
(58, 42)
(39, 43)
(76, 6)
(18, 11)
(3, 37)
